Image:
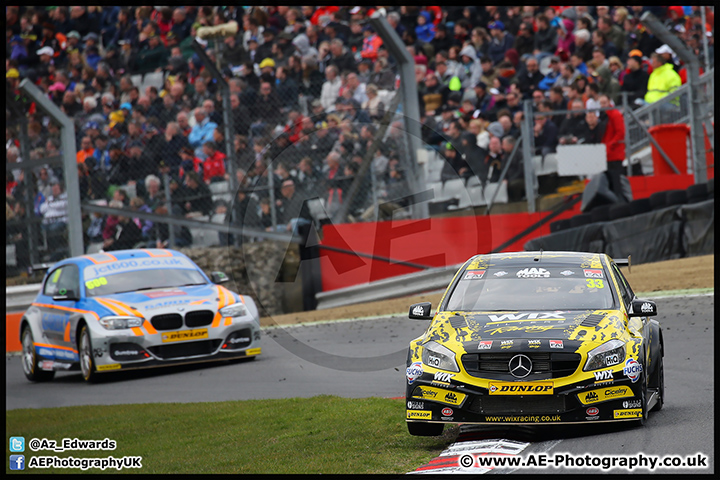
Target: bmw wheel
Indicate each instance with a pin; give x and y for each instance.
(425, 429)
(85, 351)
(30, 362)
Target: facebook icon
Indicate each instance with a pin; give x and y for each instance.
(17, 462)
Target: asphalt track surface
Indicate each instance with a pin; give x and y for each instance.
(365, 358)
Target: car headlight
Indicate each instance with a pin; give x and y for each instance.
(235, 310)
(436, 356)
(118, 323)
(606, 355)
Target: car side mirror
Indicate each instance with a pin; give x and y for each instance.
(66, 295)
(219, 277)
(421, 311)
(643, 308)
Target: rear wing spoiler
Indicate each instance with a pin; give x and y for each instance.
(41, 267)
(623, 262)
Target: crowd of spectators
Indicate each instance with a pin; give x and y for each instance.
(308, 86)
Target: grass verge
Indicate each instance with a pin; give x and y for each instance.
(324, 434)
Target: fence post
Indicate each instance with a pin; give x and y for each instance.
(168, 204)
(626, 119)
(72, 183)
(526, 129)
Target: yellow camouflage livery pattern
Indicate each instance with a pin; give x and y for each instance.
(452, 329)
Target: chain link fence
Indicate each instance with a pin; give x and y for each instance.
(158, 144)
(35, 194)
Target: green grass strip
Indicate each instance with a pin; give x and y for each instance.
(676, 293)
(324, 434)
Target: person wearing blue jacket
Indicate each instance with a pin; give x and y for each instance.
(500, 43)
(202, 132)
(425, 29)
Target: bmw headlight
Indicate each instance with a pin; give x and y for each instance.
(440, 357)
(235, 310)
(606, 355)
(118, 323)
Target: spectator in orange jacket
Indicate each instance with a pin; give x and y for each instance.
(371, 43)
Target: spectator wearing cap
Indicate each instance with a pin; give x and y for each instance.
(264, 49)
(371, 43)
(153, 56)
(635, 80)
(663, 80)
(455, 165)
(607, 84)
(501, 41)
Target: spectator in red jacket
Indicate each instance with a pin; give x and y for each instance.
(614, 136)
(214, 164)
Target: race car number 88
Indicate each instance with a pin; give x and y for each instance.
(97, 282)
(595, 283)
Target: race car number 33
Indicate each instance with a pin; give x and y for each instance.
(185, 335)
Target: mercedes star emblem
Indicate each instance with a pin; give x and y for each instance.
(520, 366)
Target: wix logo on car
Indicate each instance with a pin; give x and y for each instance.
(567, 272)
(500, 274)
(533, 272)
(603, 375)
(443, 376)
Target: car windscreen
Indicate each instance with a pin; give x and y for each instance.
(140, 274)
(531, 288)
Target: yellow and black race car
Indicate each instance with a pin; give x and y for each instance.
(535, 338)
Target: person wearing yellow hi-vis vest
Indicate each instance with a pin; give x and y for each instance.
(662, 81)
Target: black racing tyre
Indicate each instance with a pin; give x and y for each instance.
(85, 352)
(641, 205)
(697, 193)
(600, 214)
(676, 197)
(30, 359)
(660, 382)
(618, 211)
(643, 399)
(425, 429)
(658, 200)
(580, 220)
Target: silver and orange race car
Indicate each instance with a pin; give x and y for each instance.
(133, 309)
(535, 338)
